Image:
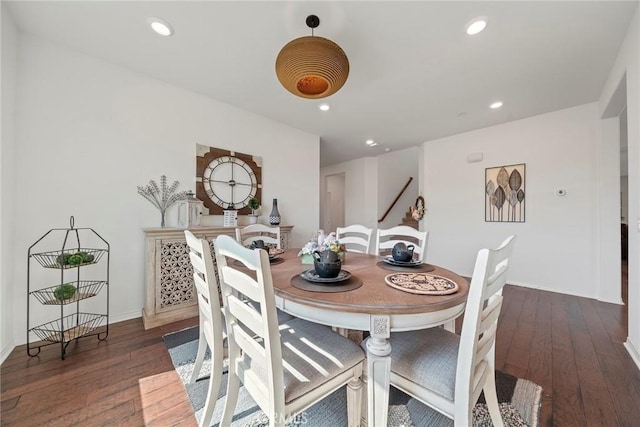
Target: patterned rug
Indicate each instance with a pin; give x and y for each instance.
(519, 399)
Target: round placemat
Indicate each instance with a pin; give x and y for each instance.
(348, 285)
(421, 283)
(422, 268)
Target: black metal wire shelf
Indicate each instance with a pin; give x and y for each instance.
(63, 259)
(69, 327)
(83, 289)
(73, 287)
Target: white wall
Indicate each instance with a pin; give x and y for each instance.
(556, 245)
(90, 132)
(361, 191)
(394, 169)
(627, 66)
(9, 59)
(334, 209)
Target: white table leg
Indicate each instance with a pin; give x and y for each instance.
(378, 372)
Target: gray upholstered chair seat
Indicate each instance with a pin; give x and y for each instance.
(311, 355)
(428, 358)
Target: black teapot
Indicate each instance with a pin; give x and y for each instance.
(402, 252)
(258, 244)
(327, 264)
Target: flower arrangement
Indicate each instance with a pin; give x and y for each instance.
(162, 197)
(321, 244)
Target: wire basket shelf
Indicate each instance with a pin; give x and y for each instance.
(69, 327)
(66, 259)
(83, 289)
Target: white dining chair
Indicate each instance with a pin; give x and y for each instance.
(285, 368)
(211, 323)
(249, 234)
(356, 238)
(387, 238)
(448, 371)
(212, 330)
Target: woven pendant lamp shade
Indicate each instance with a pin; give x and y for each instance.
(312, 67)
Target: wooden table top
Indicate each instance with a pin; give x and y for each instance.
(373, 297)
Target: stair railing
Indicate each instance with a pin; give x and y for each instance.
(396, 199)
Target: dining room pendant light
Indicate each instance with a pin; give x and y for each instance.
(312, 66)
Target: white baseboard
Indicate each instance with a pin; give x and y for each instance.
(633, 352)
(547, 289)
(121, 317)
(6, 351)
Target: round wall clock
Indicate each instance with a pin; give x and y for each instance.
(227, 180)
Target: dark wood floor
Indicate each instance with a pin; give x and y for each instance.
(570, 346)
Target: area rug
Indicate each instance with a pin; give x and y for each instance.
(519, 399)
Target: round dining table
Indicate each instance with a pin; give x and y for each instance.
(374, 307)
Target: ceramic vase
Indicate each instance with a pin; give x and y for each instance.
(274, 217)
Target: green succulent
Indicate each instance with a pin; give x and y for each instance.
(63, 259)
(75, 259)
(65, 291)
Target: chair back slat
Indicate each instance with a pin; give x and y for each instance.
(201, 286)
(489, 316)
(387, 238)
(248, 316)
(479, 375)
(485, 343)
(248, 344)
(197, 263)
(243, 283)
(356, 238)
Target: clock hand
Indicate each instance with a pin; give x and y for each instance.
(224, 182)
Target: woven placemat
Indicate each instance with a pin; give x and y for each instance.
(348, 285)
(421, 283)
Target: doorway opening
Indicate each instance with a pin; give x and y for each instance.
(334, 206)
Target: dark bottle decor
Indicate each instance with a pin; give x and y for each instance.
(274, 217)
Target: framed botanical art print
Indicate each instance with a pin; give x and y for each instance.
(504, 193)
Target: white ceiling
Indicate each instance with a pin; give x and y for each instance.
(415, 75)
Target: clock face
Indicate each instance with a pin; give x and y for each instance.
(226, 179)
(229, 182)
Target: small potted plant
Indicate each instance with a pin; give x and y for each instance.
(254, 205)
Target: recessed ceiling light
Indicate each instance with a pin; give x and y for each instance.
(496, 104)
(477, 25)
(324, 107)
(371, 143)
(160, 26)
(387, 149)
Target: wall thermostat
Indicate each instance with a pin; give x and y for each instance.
(560, 192)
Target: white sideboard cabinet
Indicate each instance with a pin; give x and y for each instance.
(169, 290)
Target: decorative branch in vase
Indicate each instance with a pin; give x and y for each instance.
(162, 196)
